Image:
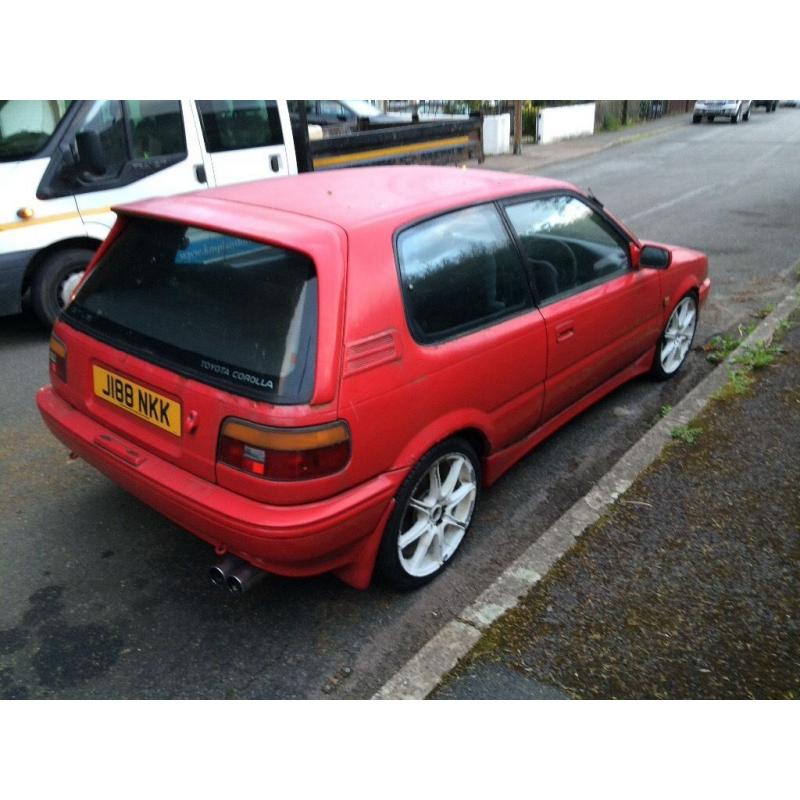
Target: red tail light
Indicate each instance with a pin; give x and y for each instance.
(58, 358)
(284, 454)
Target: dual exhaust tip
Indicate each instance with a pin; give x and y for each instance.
(235, 575)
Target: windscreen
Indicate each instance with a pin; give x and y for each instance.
(231, 312)
(27, 125)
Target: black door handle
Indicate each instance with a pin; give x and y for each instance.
(275, 163)
(200, 173)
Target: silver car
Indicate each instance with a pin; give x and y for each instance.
(734, 110)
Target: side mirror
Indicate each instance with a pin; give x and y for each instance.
(655, 257)
(91, 157)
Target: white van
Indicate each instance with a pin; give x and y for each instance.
(64, 164)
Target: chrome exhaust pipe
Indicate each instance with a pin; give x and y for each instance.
(244, 578)
(222, 569)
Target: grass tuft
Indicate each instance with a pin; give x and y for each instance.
(758, 356)
(686, 434)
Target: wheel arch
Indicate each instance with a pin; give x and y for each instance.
(85, 242)
(474, 428)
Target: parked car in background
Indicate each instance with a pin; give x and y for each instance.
(63, 164)
(320, 373)
(341, 112)
(734, 110)
(768, 105)
(790, 103)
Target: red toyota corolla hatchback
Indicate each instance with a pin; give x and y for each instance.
(319, 373)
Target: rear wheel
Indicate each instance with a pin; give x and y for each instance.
(433, 511)
(737, 117)
(747, 114)
(697, 118)
(55, 280)
(676, 339)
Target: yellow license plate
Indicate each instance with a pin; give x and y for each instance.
(143, 403)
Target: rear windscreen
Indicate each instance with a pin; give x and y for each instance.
(231, 312)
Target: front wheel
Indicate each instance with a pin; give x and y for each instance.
(433, 511)
(55, 280)
(676, 339)
(696, 119)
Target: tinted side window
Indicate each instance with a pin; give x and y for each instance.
(568, 246)
(239, 124)
(156, 128)
(459, 272)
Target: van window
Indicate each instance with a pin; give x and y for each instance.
(27, 125)
(105, 118)
(231, 312)
(239, 124)
(460, 271)
(156, 128)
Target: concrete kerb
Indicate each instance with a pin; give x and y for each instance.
(423, 671)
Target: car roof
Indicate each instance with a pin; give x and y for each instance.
(352, 197)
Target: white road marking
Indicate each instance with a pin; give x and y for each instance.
(675, 200)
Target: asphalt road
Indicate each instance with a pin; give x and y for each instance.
(102, 597)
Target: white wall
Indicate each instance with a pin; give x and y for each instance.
(496, 134)
(563, 122)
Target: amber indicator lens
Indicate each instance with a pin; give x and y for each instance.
(58, 358)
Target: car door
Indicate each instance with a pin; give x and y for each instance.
(469, 307)
(150, 149)
(598, 309)
(244, 139)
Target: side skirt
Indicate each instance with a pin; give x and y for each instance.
(500, 462)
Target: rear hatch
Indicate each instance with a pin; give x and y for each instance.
(179, 327)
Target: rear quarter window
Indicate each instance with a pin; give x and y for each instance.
(230, 311)
(459, 272)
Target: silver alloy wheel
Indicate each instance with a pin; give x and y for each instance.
(678, 335)
(67, 286)
(437, 515)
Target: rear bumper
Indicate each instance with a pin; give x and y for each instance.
(339, 534)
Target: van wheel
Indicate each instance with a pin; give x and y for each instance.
(55, 280)
(433, 511)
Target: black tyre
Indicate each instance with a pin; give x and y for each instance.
(433, 511)
(710, 117)
(747, 115)
(696, 119)
(737, 117)
(676, 339)
(54, 280)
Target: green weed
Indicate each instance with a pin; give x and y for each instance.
(721, 346)
(758, 356)
(686, 434)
